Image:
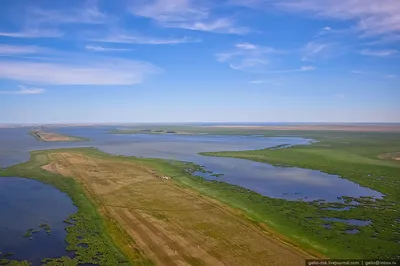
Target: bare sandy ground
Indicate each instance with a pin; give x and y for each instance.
(391, 156)
(48, 136)
(350, 127)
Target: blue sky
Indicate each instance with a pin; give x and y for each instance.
(199, 61)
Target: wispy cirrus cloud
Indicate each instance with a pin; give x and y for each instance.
(88, 13)
(97, 48)
(372, 73)
(23, 90)
(264, 81)
(9, 50)
(186, 14)
(379, 53)
(30, 34)
(78, 71)
(301, 69)
(314, 49)
(357, 72)
(247, 57)
(140, 39)
(327, 43)
(372, 18)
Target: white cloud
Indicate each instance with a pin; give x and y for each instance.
(259, 81)
(186, 14)
(17, 50)
(221, 25)
(24, 90)
(138, 39)
(262, 81)
(38, 33)
(301, 69)
(104, 49)
(372, 17)
(357, 72)
(379, 53)
(247, 57)
(92, 71)
(375, 74)
(327, 31)
(306, 68)
(170, 10)
(314, 50)
(322, 48)
(246, 46)
(86, 14)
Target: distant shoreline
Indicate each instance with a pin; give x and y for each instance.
(54, 137)
(328, 127)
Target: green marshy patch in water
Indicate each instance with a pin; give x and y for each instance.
(30, 232)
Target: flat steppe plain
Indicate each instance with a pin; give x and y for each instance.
(172, 224)
(321, 127)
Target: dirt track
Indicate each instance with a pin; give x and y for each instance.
(172, 225)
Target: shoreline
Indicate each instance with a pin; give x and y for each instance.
(281, 219)
(45, 136)
(316, 127)
(155, 164)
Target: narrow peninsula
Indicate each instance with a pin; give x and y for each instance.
(54, 137)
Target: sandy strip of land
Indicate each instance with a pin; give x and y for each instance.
(353, 127)
(173, 225)
(52, 137)
(391, 156)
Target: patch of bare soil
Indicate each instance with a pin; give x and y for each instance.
(391, 156)
(48, 136)
(173, 225)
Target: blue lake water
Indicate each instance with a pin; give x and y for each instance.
(27, 203)
(350, 221)
(287, 183)
(24, 205)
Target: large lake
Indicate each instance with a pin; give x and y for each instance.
(24, 203)
(287, 183)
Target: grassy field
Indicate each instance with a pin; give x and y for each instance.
(54, 137)
(352, 155)
(172, 224)
(355, 156)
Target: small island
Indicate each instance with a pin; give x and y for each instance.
(149, 131)
(54, 137)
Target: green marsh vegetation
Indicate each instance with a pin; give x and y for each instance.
(301, 223)
(350, 155)
(29, 233)
(95, 240)
(354, 156)
(4, 260)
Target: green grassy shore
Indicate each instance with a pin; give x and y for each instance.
(353, 156)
